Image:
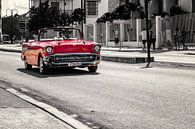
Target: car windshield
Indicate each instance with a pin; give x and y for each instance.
(59, 34)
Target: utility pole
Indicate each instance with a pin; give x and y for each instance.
(82, 7)
(29, 4)
(84, 19)
(12, 26)
(40, 14)
(40, 3)
(0, 22)
(147, 33)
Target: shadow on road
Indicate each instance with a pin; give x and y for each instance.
(56, 72)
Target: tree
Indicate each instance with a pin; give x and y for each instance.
(43, 16)
(123, 12)
(106, 17)
(6, 26)
(65, 19)
(78, 15)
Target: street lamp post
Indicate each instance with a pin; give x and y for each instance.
(29, 4)
(84, 20)
(82, 3)
(40, 15)
(40, 3)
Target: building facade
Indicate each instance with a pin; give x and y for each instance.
(62, 5)
(130, 28)
(159, 6)
(95, 9)
(99, 7)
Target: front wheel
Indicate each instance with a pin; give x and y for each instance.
(27, 66)
(42, 67)
(92, 69)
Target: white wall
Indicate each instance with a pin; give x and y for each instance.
(91, 19)
(76, 4)
(102, 8)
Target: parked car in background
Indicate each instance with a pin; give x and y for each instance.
(60, 47)
(6, 38)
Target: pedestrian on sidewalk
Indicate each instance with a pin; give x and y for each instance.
(152, 39)
(177, 38)
(143, 38)
(116, 36)
(183, 38)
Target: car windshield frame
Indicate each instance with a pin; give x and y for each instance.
(60, 34)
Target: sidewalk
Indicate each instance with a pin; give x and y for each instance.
(165, 56)
(16, 113)
(11, 47)
(133, 55)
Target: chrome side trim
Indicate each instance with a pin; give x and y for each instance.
(73, 54)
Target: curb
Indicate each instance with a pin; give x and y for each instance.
(70, 121)
(177, 64)
(130, 60)
(10, 50)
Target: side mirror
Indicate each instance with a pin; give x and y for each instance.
(35, 37)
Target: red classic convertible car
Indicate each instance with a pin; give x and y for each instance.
(60, 47)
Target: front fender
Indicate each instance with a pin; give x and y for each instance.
(40, 53)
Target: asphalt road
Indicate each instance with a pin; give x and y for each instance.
(119, 96)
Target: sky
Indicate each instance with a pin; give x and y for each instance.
(22, 6)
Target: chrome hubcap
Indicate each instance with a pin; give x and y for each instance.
(25, 63)
(41, 65)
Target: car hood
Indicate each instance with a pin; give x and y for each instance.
(71, 46)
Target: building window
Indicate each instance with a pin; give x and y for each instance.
(55, 4)
(91, 8)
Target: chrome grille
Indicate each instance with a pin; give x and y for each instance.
(74, 58)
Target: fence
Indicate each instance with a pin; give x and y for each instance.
(165, 27)
(114, 27)
(89, 32)
(186, 21)
(128, 29)
(101, 33)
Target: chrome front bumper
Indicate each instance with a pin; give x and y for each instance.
(72, 60)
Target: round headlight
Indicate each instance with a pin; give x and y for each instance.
(97, 48)
(49, 49)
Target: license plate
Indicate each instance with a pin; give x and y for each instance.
(74, 64)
